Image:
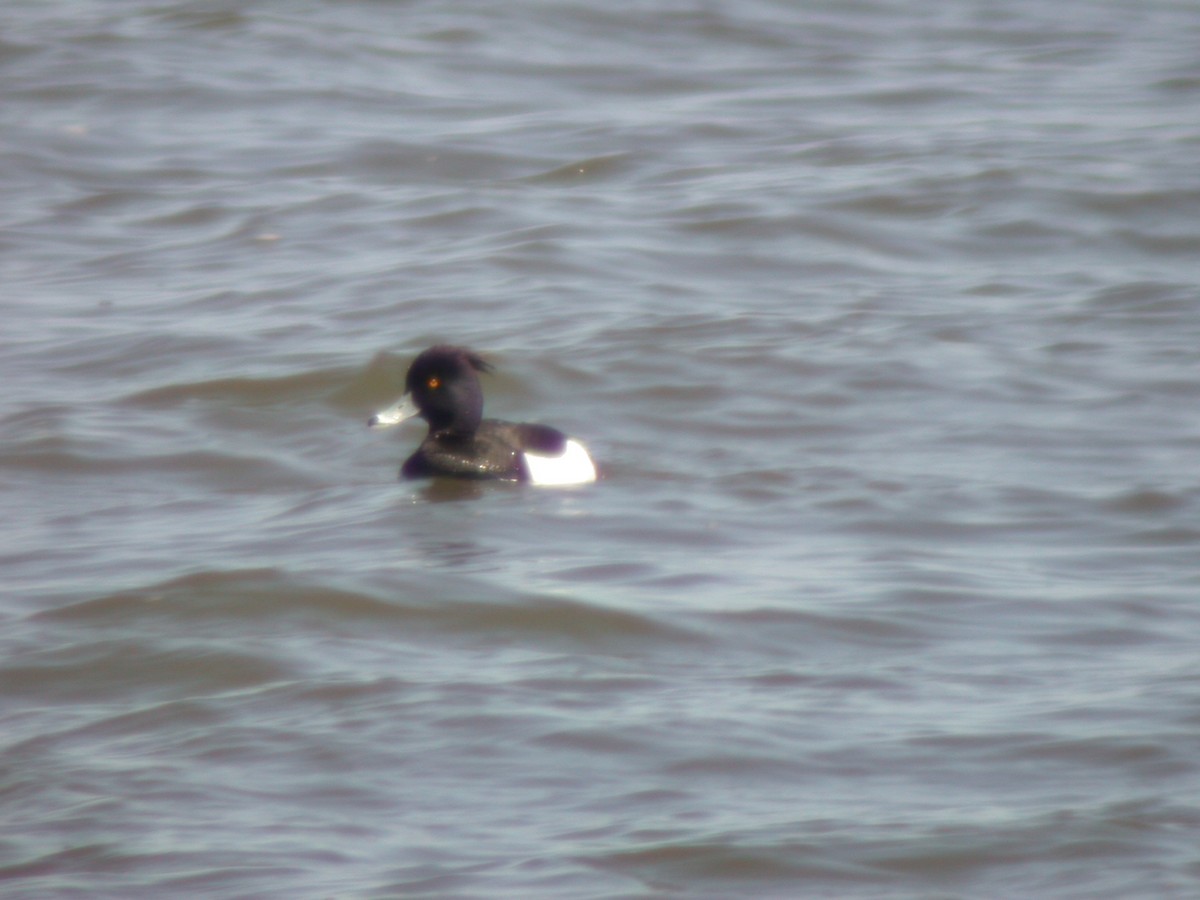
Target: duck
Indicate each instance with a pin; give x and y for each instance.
(442, 387)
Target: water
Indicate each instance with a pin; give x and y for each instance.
(881, 319)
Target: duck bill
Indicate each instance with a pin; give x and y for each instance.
(394, 415)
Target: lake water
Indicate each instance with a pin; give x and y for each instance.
(881, 318)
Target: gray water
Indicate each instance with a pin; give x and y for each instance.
(881, 318)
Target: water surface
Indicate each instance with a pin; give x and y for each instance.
(881, 320)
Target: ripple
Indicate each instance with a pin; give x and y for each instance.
(439, 604)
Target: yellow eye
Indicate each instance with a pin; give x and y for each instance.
(434, 383)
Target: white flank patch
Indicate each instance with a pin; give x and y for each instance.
(572, 466)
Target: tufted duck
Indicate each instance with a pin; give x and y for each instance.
(442, 387)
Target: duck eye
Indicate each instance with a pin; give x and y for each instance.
(434, 383)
